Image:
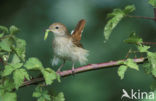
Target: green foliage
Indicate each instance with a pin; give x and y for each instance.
(121, 71)
(59, 97)
(33, 64)
(49, 75)
(19, 76)
(41, 95)
(116, 17)
(143, 48)
(16, 68)
(152, 60)
(13, 30)
(3, 30)
(5, 46)
(133, 39)
(152, 2)
(10, 68)
(129, 63)
(8, 96)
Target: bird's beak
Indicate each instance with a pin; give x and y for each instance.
(46, 34)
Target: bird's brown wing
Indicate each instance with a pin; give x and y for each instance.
(76, 36)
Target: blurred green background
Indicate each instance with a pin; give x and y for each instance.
(34, 16)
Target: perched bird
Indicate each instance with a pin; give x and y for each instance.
(67, 46)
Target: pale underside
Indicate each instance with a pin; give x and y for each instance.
(64, 48)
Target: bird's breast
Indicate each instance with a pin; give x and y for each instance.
(62, 47)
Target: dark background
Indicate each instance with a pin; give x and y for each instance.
(34, 16)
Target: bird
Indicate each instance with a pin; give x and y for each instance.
(67, 46)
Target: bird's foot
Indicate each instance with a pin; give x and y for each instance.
(58, 71)
(73, 70)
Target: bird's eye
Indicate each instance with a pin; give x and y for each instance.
(56, 27)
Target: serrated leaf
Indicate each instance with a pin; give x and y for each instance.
(152, 59)
(15, 59)
(59, 97)
(10, 68)
(41, 95)
(20, 48)
(133, 39)
(33, 64)
(7, 85)
(121, 71)
(8, 96)
(143, 48)
(3, 29)
(152, 2)
(49, 75)
(117, 16)
(5, 45)
(128, 9)
(131, 64)
(19, 75)
(112, 23)
(13, 29)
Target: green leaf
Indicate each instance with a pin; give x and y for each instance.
(128, 9)
(147, 67)
(8, 96)
(112, 23)
(1, 35)
(20, 48)
(33, 64)
(121, 71)
(59, 97)
(3, 29)
(41, 94)
(49, 75)
(13, 30)
(143, 48)
(46, 34)
(131, 64)
(15, 59)
(19, 75)
(5, 45)
(7, 85)
(10, 68)
(133, 39)
(117, 16)
(152, 2)
(152, 59)
(153, 86)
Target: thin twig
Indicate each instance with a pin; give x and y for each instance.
(143, 17)
(149, 43)
(86, 68)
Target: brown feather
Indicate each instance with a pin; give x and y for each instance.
(76, 36)
(78, 30)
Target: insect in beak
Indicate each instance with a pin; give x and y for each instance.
(46, 34)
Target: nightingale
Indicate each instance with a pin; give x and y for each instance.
(67, 46)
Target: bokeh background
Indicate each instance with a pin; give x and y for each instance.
(34, 16)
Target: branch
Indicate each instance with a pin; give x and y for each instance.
(143, 17)
(86, 68)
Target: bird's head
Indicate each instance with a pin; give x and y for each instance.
(58, 29)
